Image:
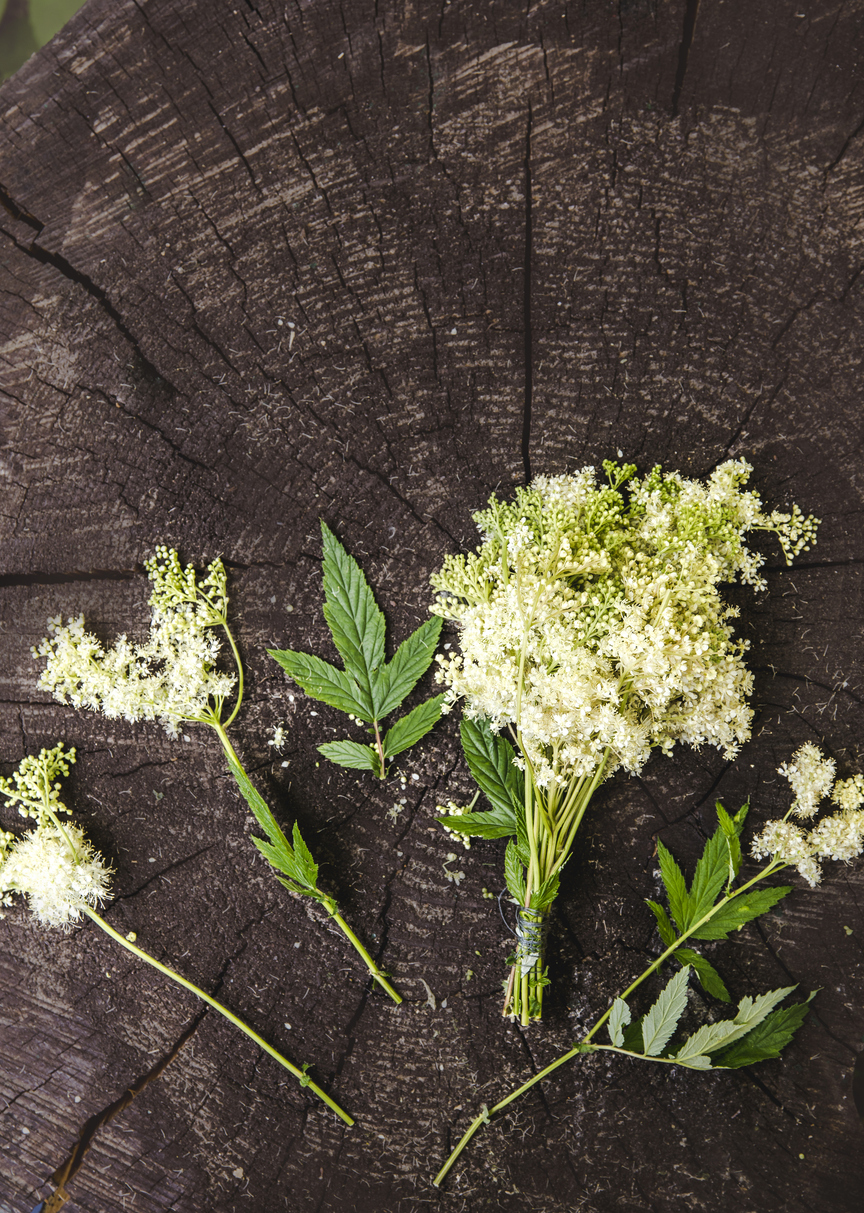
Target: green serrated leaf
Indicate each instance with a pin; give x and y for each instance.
(323, 681)
(491, 761)
(294, 887)
(712, 873)
(403, 734)
(662, 1019)
(699, 1062)
(262, 814)
(751, 1012)
(619, 1018)
(709, 1037)
(351, 754)
(739, 910)
(705, 971)
(522, 848)
(281, 860)
(353, 616)
(676, 887)
(303, 858)
(664, 926)
(514, 873)
(410, 661)
(766, 1040)
(479, 825)
(732, 839)
(741, 816)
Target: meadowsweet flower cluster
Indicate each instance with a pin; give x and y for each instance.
(53, 866)
(58, 871)
(593, 631)
(34, 787)
(838, 836)
(593, 623)
(170, 677)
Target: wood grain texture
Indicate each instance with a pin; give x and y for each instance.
(264, 263)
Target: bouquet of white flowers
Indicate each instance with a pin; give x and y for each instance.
(593, 631)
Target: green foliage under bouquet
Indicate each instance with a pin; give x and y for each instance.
(593, 631)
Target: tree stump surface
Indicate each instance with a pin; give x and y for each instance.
(269, 263)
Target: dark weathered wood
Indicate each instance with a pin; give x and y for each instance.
(503, 237)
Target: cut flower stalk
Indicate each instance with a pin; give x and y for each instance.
(709, 910)
(592, 632)
(63, 878)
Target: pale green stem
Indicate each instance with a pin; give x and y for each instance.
(483, 1118)
(367, 959)
(59, 824)
(585, 801)
(338, 919)
(239, 665)
(217, 1006)
(380, 748)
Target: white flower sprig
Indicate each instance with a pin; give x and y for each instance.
(64, 877)
(592, 630)
(172, 678)
(53, 865)
(839, 836)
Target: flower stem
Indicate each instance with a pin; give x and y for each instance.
(367, 959)
(379, 747)
(328, 902)
(239, 665)
(304, 1080)
(584, 1045)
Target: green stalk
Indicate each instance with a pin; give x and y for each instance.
(239, 665)
(304, 1080)
(380, 977)
(367, 959)
(584, 1046)
(379, 747)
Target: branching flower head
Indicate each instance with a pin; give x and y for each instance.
(591, 620)
(171, 677)
(35, 786)
(53, 865)
(811, 776)
(838, 836)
